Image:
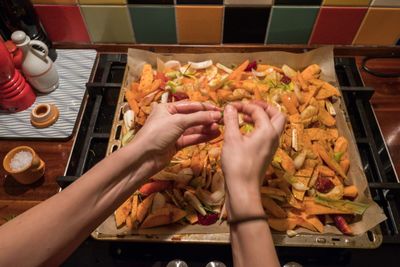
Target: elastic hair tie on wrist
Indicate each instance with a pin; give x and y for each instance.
(247, 219)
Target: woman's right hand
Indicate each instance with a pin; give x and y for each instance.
(246, 157)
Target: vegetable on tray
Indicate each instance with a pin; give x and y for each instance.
(307, 180)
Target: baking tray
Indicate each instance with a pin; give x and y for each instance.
(369, 240)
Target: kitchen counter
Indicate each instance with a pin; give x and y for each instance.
(56, 154)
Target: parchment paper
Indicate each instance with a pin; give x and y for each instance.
(324, 58)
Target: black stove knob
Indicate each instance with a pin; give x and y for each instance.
(215, 264)
(177, 263)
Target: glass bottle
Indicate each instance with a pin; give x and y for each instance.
(20, 15)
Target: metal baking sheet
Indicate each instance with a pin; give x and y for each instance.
(74, 67)
(370, 239)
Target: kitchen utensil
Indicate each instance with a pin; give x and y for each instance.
(15, 93)
(20, 15)
(28, 174)
(37, 67)
(74, 67)
(44, 115)
(16, 54)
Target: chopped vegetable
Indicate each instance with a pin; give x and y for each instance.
(344, 205)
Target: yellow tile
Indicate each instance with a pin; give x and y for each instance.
(54, 2)
(102, 2)
(380, 27)
(199, 24)
(346, 2)
(108, 24)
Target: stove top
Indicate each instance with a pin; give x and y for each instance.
(91, 144)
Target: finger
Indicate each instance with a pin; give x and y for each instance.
(271, 110)
(231, 122)
(257, 114)
(260, 103)
(279, 121)
(197, 118)
(186, 107)
(194, 139)
(205, 129)
(247, 118)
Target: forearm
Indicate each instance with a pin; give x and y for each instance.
(252, 244)
(49, 232)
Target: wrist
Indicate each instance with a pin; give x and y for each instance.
(244, 204)
(138, 160)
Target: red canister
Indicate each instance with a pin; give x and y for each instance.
(15, 93)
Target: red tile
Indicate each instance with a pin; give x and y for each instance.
(337, 25)
(63, 23)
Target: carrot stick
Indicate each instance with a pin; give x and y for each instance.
(130, 97)
(235, 75)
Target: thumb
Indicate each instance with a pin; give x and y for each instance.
(231, 121)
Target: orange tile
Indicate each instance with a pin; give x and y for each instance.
(199, 24)
(380, 27)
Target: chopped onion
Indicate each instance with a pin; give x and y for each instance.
(295, 144)
(299, 160)
(224, 68)
(291, 233)
(298, 94)
(172, 64)
(129, 119)
(288, 71)
(211, 72)
(330, 108)
(258, 73)
(164, 97)
(200, 65)
(299, 187)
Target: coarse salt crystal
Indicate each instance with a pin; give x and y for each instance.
(21, 160)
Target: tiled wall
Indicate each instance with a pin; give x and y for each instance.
(361, 22)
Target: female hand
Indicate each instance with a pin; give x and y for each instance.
(173, 126)
(246, 157)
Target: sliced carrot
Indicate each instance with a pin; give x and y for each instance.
(235, 75)
(257, 94)
(130, 97)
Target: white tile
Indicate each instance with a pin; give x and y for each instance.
(387, 3)
(248, 2)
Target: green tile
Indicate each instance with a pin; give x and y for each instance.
(108, 24)
(291, 25)
(154, 24)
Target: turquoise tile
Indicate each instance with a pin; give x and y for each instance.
(291, 25)
(154, 24)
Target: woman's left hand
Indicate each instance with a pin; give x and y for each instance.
(173, 126)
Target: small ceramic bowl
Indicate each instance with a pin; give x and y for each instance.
(28, 174)
(44, 115)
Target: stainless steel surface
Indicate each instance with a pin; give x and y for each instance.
(215, 264)
(177, 263)
(292, 264)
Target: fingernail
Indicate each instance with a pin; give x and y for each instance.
(229, 108)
